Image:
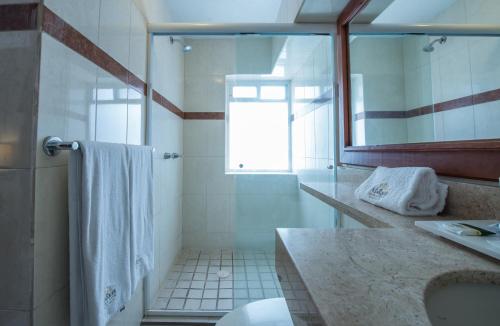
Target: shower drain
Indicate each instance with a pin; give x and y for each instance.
(222, 274)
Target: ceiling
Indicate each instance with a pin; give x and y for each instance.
(320, 11)
(300, 11)
(211, 11)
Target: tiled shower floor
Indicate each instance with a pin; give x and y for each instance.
(193, 285)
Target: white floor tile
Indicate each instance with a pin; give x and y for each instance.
(179, 293)
(226, 293)
(210, 294)
(226, 284)
(192, 304)
(225, 304)
(240, 293)
(175, 304)
(211, 285)
(197, 284)
(208, 304)
(256, 293)
(195, 294)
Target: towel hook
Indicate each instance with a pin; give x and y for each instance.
(52, 145)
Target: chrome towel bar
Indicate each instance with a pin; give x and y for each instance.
(53, 145)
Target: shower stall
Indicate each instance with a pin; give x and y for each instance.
(259, 117)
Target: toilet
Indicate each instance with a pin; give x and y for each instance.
(268, 312)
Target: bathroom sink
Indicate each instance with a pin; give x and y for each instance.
(464, 301)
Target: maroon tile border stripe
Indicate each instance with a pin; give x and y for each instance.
(19, 17)
(480, 98)
(69, 36)
(158, 98)
(204, 115)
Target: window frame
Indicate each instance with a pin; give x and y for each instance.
(230, 83)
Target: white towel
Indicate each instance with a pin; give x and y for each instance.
(111, 223)
(413, 191)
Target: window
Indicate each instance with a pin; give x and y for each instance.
(257, 126)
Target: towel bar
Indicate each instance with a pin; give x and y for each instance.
(52, 145)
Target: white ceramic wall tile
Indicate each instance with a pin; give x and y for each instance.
(458, 124)
(485, 64)
(321, 122)
(111, 112)
(82, 15)
(66, 102)
(114, 29)
(136, 117)
(138, 42)
(455, 74)
(168, 75)
(218, 213)
(51, 225)
(486, 118)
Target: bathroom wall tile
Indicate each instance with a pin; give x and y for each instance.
(194, 213)
(485, 64)
(195, 175)
(51, 233)
(66, 102)
(16, 222)
(15, 317)
(310, 149)
(216, 138)
(111, 112)
(54, 310)
(421, 128)
(459, 124)
(321, 122)
(19, 59)
(195, 138)
(217, 181)
(114, 29)
(218, 213)
(455, 74)
(82, 15)
(255, 184)
(169, 61)
(138, 42)
(136, 117)
(486, 118)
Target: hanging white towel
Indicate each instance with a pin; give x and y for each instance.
(111, 223)
(413, 191)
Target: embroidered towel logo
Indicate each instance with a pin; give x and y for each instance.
(379, 191)
(109, 295)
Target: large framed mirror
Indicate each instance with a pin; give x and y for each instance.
(421, 95)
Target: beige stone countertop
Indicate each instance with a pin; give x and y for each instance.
(341, 196)
(377, 276)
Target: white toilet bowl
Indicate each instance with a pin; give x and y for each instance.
(268, 312)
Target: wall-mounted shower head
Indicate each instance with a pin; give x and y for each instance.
(430, 47)
(185, 47)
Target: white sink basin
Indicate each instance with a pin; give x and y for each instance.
(463, 302)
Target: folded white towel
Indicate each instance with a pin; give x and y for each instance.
(413, 191)
(111, 238)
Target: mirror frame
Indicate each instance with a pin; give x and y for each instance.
(474, 159)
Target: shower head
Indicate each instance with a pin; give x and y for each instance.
(185, 47)
(430, 47)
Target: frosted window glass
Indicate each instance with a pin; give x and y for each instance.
(258, 136)
(244, 92)
(273, 92)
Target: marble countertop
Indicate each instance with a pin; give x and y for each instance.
(376, 276)
(341, 196)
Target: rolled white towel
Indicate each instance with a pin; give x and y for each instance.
(413, 191)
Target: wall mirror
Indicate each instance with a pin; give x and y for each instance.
(419, 85)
